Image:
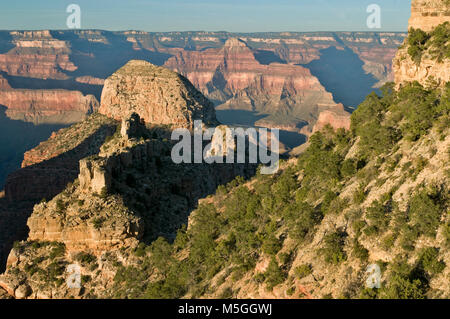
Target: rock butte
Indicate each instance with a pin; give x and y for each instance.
(159, 96)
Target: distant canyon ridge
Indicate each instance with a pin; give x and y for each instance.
(297, 82)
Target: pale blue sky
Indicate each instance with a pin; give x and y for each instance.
(207, 15)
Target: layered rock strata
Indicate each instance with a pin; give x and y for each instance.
(427, 14)
(47, 106)
(158, 95)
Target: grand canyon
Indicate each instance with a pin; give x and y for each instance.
(55, 78)
(88, 179)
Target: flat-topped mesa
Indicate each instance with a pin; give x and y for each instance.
(159, 96)
(427, 14)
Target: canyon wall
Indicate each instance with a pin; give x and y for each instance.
(272, 80)
(36, 54)
(427, 14)
(235, 79)
(427, 67)
(47, 106)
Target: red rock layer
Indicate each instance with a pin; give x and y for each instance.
(36, 66)
(40, 106)
(426, 15)
(4, 85)
(234, 70)
(37, 54)
(232, 75)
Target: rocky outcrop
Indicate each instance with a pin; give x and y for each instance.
(426, 68)
(82, 228)
(101, 211)
(406, 70)
(47, 106)
(336, 118)
(37, 54)
(427, 14)
(158, 95)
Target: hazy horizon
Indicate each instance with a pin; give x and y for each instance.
(234, 16)
(206, 31)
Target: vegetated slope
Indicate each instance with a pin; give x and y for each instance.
(424, 57)
(378, 194)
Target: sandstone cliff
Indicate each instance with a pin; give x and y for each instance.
(37, 54)
(158, 95)
(427, 14)
(336, 118)
(4, 85)
(424, 56)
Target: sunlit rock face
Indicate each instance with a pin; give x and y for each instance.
(427, 14)
(158, 95)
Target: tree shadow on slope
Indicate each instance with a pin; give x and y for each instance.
(341, 72)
